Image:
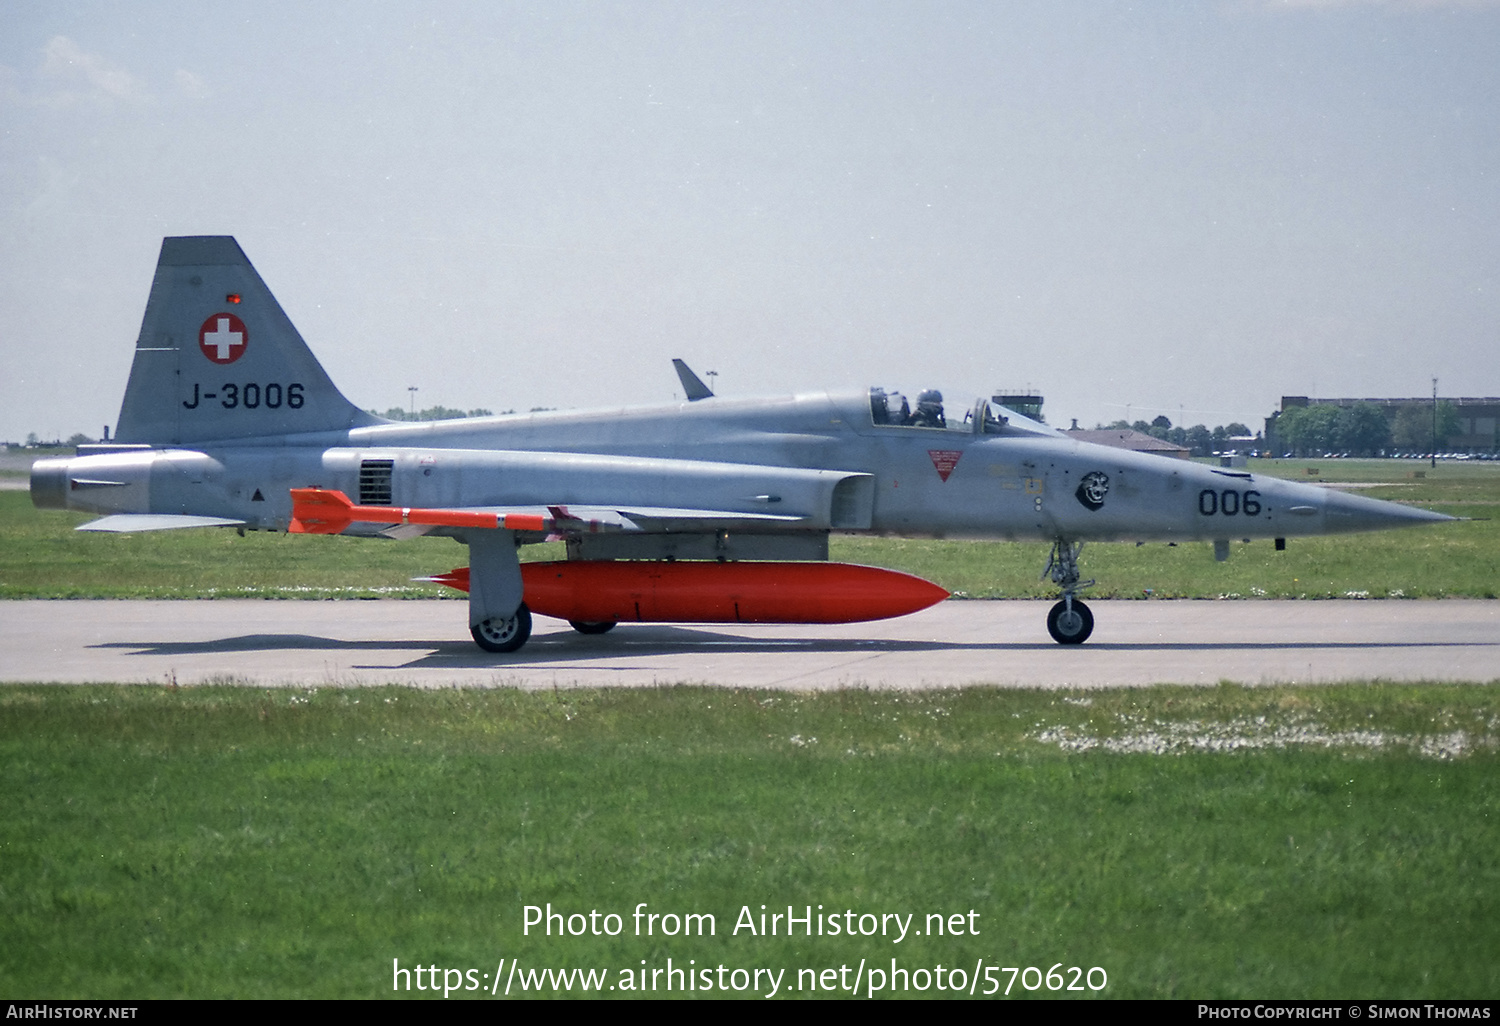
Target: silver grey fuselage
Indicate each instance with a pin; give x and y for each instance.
(814, 462)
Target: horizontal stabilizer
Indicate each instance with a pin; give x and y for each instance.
(124, 523)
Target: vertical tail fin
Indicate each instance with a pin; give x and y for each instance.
(217, 358)
(692, 385)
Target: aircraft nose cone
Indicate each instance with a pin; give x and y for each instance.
(1344, 512)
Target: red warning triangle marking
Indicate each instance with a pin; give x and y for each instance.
(945, 460)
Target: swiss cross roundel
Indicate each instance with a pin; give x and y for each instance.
(223, 338)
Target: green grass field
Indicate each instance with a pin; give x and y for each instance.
(41, 556)
(1219, 842)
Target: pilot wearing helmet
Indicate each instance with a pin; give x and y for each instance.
(929, 409)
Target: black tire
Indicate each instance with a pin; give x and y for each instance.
(497, 635)
(1070, 630)
(592, 627)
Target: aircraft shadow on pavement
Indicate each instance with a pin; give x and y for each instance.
(653, 641)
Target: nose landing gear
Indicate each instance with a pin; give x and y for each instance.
(1070, 622)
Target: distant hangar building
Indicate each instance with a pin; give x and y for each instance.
(1128, 438)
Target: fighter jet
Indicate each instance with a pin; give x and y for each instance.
(713, 509)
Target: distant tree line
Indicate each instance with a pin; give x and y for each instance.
(1199, 438)
(33, 441)
(1363, 429)
(431, 413)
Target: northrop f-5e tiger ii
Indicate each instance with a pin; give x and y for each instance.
(706, 510)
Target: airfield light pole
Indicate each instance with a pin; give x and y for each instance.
(713, 381)
(1434, 422)
(413, 390)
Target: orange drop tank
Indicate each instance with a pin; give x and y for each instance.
(628, 591)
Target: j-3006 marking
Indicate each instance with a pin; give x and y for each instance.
(252, 396)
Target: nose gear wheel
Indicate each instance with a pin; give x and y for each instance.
(1070, 622)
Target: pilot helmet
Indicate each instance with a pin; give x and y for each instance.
(929, 396)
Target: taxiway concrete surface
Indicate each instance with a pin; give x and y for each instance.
(288, 643)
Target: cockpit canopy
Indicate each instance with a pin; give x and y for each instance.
(890, 408)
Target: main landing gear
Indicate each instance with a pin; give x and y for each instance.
(1070, 622)
(503, 635)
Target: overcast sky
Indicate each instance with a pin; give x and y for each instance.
(1179, 208)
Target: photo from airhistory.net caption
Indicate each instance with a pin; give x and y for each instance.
(678, 974)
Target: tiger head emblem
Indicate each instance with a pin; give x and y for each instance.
(1092, 489)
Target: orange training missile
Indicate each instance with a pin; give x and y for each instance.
(702, 592)
(327, 511)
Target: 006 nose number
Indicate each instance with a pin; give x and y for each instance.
(1228, 502)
